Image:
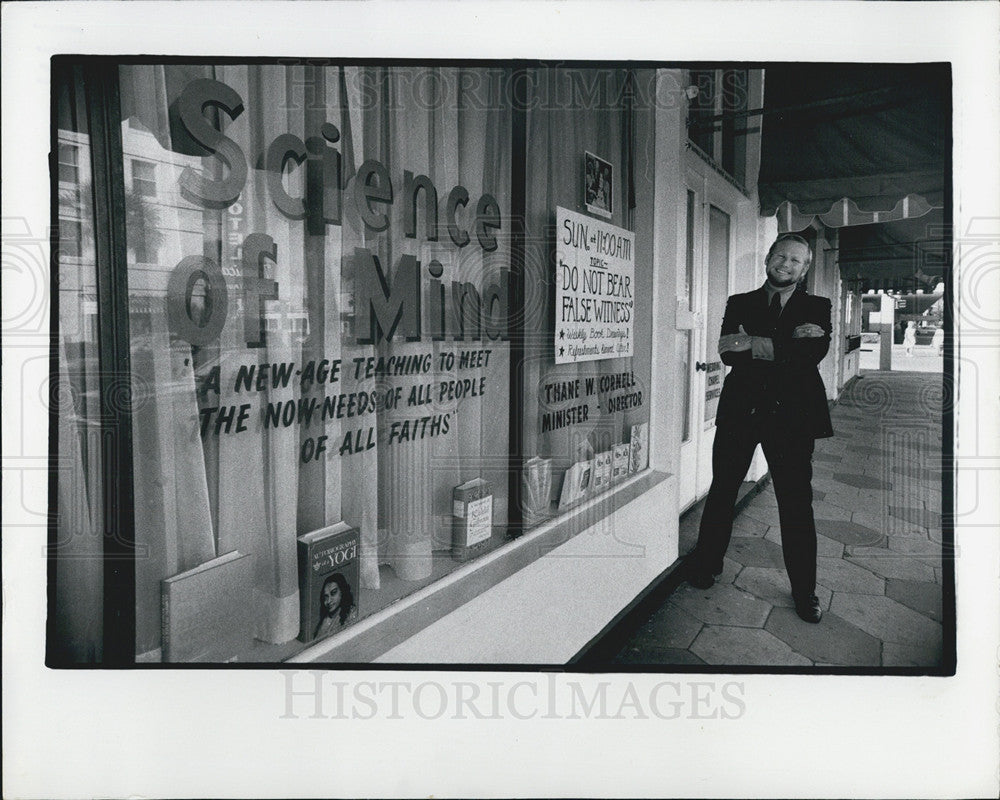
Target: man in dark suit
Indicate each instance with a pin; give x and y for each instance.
(773, 338)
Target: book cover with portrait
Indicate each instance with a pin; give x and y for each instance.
(328, 580)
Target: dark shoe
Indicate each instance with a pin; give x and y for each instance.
(808, 608)
(700, 578)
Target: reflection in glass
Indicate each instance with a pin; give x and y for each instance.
(76, 632)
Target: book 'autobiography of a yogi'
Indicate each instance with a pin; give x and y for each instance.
(328, 580)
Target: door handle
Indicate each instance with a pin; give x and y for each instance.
(700, 366)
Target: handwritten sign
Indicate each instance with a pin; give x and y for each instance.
(595, 289)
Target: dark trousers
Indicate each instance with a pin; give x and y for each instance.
(789, 459)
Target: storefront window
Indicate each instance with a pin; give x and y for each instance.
(318, 262)
(322, 338)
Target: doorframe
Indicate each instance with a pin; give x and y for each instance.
(710, 189)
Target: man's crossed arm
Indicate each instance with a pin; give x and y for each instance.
(762, 347)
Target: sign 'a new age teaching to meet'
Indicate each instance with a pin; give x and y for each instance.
(595, 289)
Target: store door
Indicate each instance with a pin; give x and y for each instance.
(702, 293)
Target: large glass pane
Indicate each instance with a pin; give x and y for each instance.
(702, 110)
(317, 289)
(588, 282)
(735, 103)
(687, 290)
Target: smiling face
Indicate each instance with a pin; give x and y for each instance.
(788, 262)
(331, 598)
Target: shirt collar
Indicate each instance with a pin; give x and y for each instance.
(784, 293)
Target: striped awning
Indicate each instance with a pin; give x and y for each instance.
(845, 212)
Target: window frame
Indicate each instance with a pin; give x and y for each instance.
(99, 83)
(138, 180)
(722, 117)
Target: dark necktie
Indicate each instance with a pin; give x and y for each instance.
(774, 311)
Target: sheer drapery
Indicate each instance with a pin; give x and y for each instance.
(203, 486)
(422, 123)
(570, 112)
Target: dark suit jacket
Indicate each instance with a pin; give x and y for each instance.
(787, 392)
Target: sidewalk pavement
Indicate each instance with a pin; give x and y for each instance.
(877, 486)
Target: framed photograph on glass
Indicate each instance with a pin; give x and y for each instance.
(597, 183)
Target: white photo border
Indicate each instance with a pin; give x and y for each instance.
(117, 733)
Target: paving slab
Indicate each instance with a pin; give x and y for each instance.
(877, 470)
(849, 532)
(765, 498)
(850, 502)
(730, 569)
(745, 526)
(886, 619)
(893, 566)
(829, 458)
(670, 626)
(867, 449)
(915, 545)
(766, 514)
(909, 655)
(841, 576)
(755, 552)
(861, 481)
(917, 515)
(725, 644)
(833, 447)
(821, 508)
(822, 470)
(723, 604)
(922, 596)
(828, 485)
(873, 515)
(895, 526)
(771, 585)
(863, 550)
(828, 548)
(832, 641)
(931, 475)
(937, 535)
(874, 495)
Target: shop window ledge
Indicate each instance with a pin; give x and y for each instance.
(379, 633)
